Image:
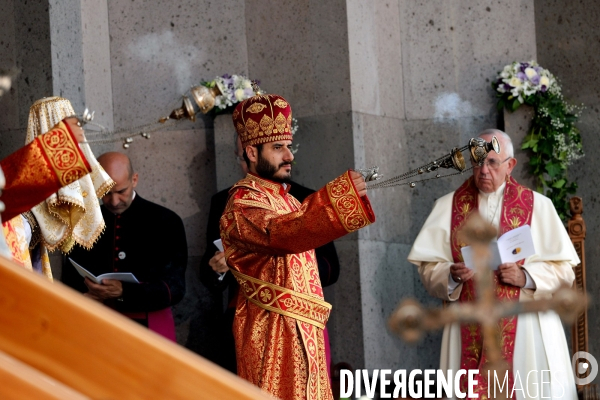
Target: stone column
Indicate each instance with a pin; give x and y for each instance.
(25, 33)
(228, 171)
(81, 70)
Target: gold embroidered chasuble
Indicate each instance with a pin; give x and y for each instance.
(37, 170)
(269, 240)
(32, 173)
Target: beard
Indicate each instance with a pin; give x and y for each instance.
(267, 170)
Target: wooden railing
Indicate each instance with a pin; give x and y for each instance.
(57, 344)
(577, 230)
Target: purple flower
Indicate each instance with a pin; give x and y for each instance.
(535, 80)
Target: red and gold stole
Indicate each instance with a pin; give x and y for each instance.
(517, 209)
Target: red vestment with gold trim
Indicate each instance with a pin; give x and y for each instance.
(269, 239)
(517, 210)
(33, 173)
(37, 170)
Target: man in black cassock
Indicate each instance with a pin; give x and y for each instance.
(143, 238)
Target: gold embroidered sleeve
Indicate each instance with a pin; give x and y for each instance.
(354, 212)
(252, 223)
(37, 170)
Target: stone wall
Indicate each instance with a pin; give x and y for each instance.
(569, 46)
(24, 45)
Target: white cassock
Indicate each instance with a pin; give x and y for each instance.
(540, 343)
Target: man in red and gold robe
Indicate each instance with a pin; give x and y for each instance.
(534, 344)
(269, 239)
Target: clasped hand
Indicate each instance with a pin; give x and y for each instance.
(508, 273)
(109, 289)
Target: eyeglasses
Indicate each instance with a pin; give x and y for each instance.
(491, 164)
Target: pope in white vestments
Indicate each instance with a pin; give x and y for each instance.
(541, 365)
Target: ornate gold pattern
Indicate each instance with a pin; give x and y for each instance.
(284, 301)
(239, 128)
(255, 108)
(517, 209)
(280, 285)
(253, 128)
(256, 121)
(61, 151)
(266, 125)
(71, 215)
(281, 124)
(347, 204)
(281, 103)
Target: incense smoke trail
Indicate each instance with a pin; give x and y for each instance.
(163, 48)
(449, 105)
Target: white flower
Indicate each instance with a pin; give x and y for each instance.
(515, 82)
(239, 94)
(544, 81)
(530, 72)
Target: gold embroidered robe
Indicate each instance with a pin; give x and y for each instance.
(269, 239)
(33, 173)
(37, 170)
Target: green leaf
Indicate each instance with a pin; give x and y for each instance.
(515, 104)
(553, 169)
(500, 105)
(559, 184)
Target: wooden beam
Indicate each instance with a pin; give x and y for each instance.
(20, 381)
(96, 351)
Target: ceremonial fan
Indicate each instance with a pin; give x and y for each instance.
(478, 149)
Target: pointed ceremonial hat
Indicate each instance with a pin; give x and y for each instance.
(263, 118)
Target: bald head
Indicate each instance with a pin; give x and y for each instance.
(117, 162)
(118, 167)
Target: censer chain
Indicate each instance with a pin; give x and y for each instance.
(396, 181)
(121, 135)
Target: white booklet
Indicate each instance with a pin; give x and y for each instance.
(513, 246)
(120, 276)
(219, 244)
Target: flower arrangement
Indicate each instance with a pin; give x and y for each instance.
(553, 140)
(231, 90)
